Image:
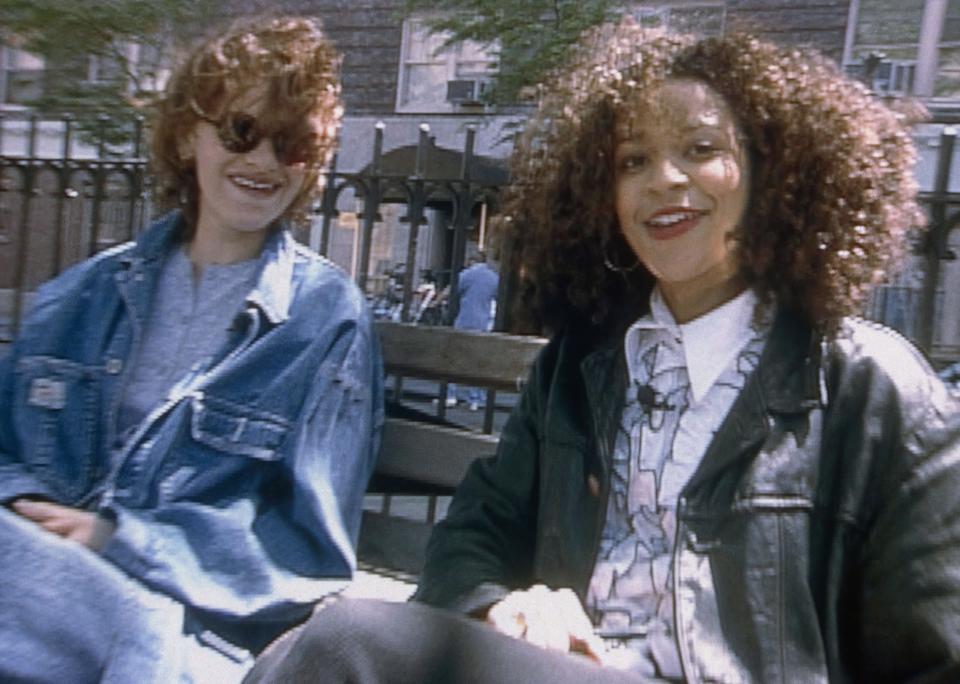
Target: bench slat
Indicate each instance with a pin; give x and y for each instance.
(430, 453)
(494, 360)
(419, 456)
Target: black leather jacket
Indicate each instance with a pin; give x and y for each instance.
(819, 539)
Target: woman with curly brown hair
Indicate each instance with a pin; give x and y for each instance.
(188, 422)
(716, 472)
(831, 199)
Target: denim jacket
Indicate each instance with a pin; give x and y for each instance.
(240, 496)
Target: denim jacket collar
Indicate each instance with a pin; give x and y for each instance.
(271, 292)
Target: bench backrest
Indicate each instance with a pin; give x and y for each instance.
(428, 457)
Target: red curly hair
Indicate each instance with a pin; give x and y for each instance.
(832, 196)
(300, 69)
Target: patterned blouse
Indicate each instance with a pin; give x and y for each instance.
(683, 382)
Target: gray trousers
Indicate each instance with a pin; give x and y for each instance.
(378, 642)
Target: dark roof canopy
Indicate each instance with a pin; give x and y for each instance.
(442, 163)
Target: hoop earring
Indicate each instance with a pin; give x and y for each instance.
(608, 264)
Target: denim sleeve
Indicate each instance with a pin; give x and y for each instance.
(265, 556)
(16, 479)
(48, 328)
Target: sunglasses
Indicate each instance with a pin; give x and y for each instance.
(240, 133)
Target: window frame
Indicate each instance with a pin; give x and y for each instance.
(447, 58)
(9, 67)
(927, 59)
(637, 9)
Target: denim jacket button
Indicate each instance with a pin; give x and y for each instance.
(114, 365)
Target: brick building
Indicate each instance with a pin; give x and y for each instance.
(396, 74)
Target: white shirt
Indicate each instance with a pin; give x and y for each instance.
(688, 376)
(708, 343)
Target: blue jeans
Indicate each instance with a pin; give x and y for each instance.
(474, 395)
(67, 615)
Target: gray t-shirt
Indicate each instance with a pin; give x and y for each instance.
(188, 324)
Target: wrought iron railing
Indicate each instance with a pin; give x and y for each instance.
(62, 200)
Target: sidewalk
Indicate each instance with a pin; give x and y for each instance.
(376, 584)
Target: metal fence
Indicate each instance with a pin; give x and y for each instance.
(923, 301)
(62, 200)
(453, 202)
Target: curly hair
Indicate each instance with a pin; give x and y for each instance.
(300, 69)
(831, 200)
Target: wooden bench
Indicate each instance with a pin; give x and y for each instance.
(424, 453)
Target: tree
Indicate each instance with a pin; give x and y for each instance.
(125, 45)
(533, 36)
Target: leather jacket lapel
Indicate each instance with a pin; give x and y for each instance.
(604, 375)
(786, 381)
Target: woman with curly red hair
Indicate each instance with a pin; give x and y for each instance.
(716, 471)
(188, 421)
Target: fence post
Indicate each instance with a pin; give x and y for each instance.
(135, 180)
(328, 208)
(935, 242)
(23, 237)
(371, 207)
(64, 182)
(418, 202)
(464, 218)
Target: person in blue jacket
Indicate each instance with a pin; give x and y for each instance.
(477, 296)
(188, 422)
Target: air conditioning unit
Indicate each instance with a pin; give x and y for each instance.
(884, 76)
(466, 91)
(895, 76)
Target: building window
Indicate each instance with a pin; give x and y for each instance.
(699, 18)
(905, 47)
(438, 79)
(104, 69)
(21, 76)
(139, 67)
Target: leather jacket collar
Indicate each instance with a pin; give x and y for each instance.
(789, 380)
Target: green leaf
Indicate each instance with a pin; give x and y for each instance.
(534, 36)
(68, 34)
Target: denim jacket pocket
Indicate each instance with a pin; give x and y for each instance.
(236, 429)
(56, 412)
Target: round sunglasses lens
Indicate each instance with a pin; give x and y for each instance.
(238, 132)
(292, 154)
(301, 148)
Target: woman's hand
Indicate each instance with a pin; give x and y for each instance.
(75, 524)
(551, 619)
